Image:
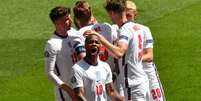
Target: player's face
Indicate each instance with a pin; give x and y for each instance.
(112, 16)
(77, 23)
(64, 23)
(130, 14)
(93, 45)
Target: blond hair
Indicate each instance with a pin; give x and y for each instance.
(131, 5)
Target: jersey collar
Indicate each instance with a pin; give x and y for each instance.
(124, 23)
(60, 35)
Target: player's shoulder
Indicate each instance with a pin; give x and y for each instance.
(80, 65)
(144, 27)
(72, 30)
(53, 38)
(84, 29)
(102, 62)
(105, 65)
(102, 26)
(74, 35)
(105, 24)
(139, 27)
(115, 26)
(53, 42)
(127, 26)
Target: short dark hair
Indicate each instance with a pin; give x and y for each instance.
(117, 6)
(82, 11)
(88, 37)
(58, 12)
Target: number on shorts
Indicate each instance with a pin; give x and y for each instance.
(156, 93)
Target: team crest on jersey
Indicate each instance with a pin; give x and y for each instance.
(73, 79)
(47, 54)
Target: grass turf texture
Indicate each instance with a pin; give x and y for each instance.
(25, 27)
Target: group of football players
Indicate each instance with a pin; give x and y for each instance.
(101, 61)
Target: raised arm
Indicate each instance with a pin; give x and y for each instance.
(118, 50)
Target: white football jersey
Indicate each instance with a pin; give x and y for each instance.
(148, 42)
(155, 86)
(109, 33)
(60, 53)
(133, 35)
(92, 78)
(154, 80)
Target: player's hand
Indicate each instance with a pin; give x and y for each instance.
(90, 32)
(68, 90)
(123, 99)
(119, 99)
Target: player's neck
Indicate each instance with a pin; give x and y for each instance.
(87, 24)
(61, 32)
(121, 21)
(92, 60)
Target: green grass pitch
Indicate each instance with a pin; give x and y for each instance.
(25, 26)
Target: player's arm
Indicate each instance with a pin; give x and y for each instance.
(148, 46)
(77, 83)
(50, 62)
(118, 50)
(147, 55)
(79, 94)
(68, 89)
(110, 88)
(113, 93)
